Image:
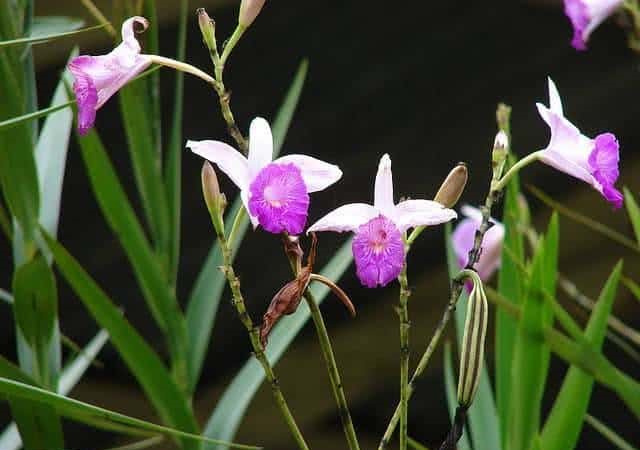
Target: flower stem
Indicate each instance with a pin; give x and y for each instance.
(500, 185)
(231, 43)
(403, 312)
(332, 369)
(183, 67)
(258, 349)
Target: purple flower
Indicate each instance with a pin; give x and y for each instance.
(378, 246)
(586, 15)
(464, 235)
(97, 78)
(275, 193)
(594, 161)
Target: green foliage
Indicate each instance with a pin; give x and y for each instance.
(450, 391)
(634, 212)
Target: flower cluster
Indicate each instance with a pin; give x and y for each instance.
(276, 192)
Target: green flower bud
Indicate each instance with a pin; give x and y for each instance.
(207, 28)
(215, 200)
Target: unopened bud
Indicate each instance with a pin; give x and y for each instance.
(207, 28)
(472, 351)
(214, 199)
(249, 10)
(499, 154)
(453, 186)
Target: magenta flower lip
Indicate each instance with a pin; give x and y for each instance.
(275, 193)
(594, 161)
(378, 246)
(586, 16)
(98, 78)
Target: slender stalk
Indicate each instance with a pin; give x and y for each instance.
(183, 67)
(500, 185)
(97, 14)
(258, 349)
(403, 312)
(231, 43)
(334, 374)
(235, 227)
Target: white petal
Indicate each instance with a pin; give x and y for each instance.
(345, 218)
(555, 104)
(317, 174)
(227, 158)
(414, 213)
(471, 212)
(383, 193)
(260, 145)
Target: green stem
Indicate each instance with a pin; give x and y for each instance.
(235, 227)
(183, 67)
(231, 43)
(258, 349)
(334, 375)
(500, 185)
(403, 311)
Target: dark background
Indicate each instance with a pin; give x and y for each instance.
(418, 80)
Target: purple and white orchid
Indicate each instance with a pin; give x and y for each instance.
(378, 247)
(586, 15)
(275, 193)
(594, 161)
(97, 78)
(463, 238)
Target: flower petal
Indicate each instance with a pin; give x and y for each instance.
(414, 213)
(227, 158)
(383, 194)
(345, 218)
(317, 174)
(260, 145)
(555, 104)
(129, 32)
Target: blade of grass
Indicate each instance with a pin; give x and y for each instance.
(634, 212)
(98, 417)
(41, 39)
(9, 123)
(584, 220)
(633, 287)
(230, 409)
(209, 286)
(564, 423)
(45, 25)
(450, 392)
(415, 445)
(173, 162)
(161, 389)
(608, 433)
(121, 218)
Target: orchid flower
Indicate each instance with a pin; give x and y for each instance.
(378, 247)
(97, 78)
(275, 193)
(586, 15)
(594, 161)
(463, 238)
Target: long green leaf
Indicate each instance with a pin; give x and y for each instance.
(609, 434)
(96, 416)
(510, 285)
(14, 121)
(563, 426)
(173, 162)
(529, 362)
(45, 25)
(145, 365)
(121, 218)
(483, 416)
(450, 392)
(634, 212)
(41, 38)
(233, 404)
(208, 288)
(633, 287)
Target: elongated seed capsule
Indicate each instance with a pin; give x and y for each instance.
(453, 186)
(472, 355)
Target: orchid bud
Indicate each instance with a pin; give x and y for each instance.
(453, 186)
(499, 153)
(249, 10)
(472, 351)
(215, 200)
(207, 28)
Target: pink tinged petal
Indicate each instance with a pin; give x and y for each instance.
(576, 11)
(317, 174)
(604, 160)
(378, 251)
(462, 239)
(227, 158)
(345, 218)
(279, 199)
(383, 194)
(555, 104)
(260, 145)
(86, 95)
(129, 32)
(414, 213)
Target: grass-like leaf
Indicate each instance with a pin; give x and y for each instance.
(450, 392)
(46, 25)
(609, 434)
(210, 284)
(41, 38)
(563, 426)
(634, 212)
(96, 416)
(233, 404)
(145, 365)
